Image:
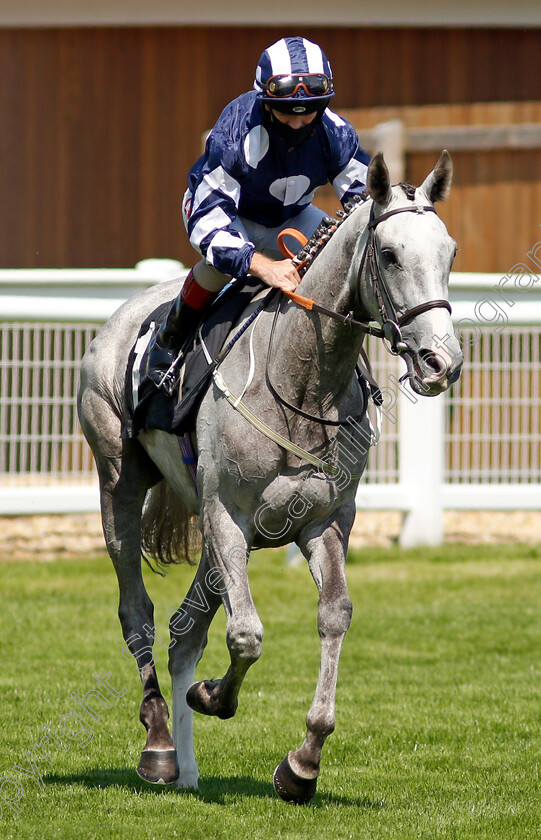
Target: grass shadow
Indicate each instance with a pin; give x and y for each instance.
(212, 789)
(125, 777)
(218, 789)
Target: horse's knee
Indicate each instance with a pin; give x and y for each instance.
(245, 640)
(189, 631)
(181, 626)
(334, 616)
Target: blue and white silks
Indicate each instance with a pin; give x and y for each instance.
(248, 172)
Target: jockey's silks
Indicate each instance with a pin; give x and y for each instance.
(251, 172)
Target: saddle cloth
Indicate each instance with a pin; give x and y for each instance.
(150, 408)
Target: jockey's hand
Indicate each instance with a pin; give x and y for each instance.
(281, 274)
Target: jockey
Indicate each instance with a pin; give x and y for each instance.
(264, 159)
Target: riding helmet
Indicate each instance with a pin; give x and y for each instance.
(294, 76)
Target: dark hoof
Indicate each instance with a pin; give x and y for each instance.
(203, 697)
(291, 787)
(159, 766)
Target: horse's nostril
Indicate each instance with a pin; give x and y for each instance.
(432, 364)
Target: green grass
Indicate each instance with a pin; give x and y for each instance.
(438, 705)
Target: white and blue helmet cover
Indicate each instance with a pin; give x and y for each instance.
(291, 56)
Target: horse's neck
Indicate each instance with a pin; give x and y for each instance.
(314, 356)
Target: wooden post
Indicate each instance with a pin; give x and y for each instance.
(388, 137)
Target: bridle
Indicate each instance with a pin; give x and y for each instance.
(390, 331)
(391, 322)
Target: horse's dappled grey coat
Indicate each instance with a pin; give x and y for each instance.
(249, 487)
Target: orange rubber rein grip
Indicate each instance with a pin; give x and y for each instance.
(307, 303)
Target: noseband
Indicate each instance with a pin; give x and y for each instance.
(391, 322)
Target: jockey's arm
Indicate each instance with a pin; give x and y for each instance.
(281, 274)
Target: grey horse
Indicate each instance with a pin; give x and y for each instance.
(388, 262)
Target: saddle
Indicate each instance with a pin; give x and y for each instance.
(232, 311)
(152, 408)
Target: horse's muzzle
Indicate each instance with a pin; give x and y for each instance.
(431, 373)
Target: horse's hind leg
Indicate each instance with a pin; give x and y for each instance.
(125, 473)
(295, 779)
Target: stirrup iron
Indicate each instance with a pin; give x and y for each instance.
(169, 379)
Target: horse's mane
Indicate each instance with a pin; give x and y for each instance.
(409, 189)
(324, 232)
(330, 224)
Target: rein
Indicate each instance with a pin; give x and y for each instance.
(285, 443)
(390, 330)
(391, 323)
(307, 416)
(304, 259)
(348, 320)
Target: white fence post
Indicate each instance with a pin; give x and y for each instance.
(421, 467)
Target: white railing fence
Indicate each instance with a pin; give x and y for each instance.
(477, 447)
(48, 317)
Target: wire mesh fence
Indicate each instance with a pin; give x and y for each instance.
(493, 423)
(493, 433)
(40, 437)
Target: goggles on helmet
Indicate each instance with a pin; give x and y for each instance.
(314, 84)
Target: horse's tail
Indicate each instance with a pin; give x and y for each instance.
(169, 532)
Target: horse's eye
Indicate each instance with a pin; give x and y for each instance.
(389, 256)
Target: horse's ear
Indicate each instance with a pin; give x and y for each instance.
(438, 184)
(378, 181)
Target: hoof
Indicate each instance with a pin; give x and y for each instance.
(293, 788)
(160, 767)
(200, 698)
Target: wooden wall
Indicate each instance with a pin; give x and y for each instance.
(494, 210)
(98, 127)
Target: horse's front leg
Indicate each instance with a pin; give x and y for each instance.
(295, 779)
(189, 626)
(228, 546)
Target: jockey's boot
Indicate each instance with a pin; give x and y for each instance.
(178, 327)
